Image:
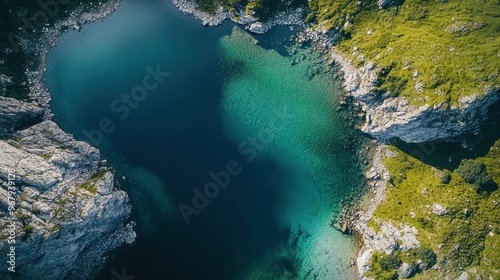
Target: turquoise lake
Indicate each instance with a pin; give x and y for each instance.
(178, 109)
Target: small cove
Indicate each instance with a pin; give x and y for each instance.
(272, 221)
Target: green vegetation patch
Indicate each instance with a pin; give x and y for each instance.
(89, 185)
(465, 234)
(430, 51)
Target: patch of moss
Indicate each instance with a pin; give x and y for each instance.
(28, 229)
(374, 225)
(89, 185)
(46, 156)
(15, 144)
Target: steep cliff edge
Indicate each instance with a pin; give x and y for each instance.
(396, 117)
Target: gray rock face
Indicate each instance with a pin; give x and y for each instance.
(405, 270)
(15, 114)
(70, 202)
(395, 117)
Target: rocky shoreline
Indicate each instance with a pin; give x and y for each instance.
(40, 47)
(400, 120)
(388, 238)
(69, 210)
(383, 119)
(249, 22)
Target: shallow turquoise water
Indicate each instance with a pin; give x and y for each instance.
(226, 100)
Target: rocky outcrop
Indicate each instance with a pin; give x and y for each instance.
(66, 204)
(257, 28)
(389, 118)
(15, 114)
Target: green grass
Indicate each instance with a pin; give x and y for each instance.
(423, 35)
(460, 238)
(89, 185)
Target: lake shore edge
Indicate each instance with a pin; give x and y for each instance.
(357, 82)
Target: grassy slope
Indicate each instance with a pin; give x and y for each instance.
(423, 35)
(462, 237)
(454, 45)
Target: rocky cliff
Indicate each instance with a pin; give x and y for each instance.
(389, 117)
(66, 210)
(386, 117)
(61, 209)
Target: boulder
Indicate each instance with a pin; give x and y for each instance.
(257, 28)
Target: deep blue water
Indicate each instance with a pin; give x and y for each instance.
(222, 92)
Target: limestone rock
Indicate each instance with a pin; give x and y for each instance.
(406, 270)
(387, 118)
(70, 200)
(257, 28)
(439, 210)
(364, 262)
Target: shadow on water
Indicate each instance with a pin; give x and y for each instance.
(448, 155)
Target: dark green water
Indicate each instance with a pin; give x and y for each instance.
(227, 105)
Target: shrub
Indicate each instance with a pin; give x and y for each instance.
(28, 230)
(475, 174)
(427, 256)
(446, 178)
(389, 262)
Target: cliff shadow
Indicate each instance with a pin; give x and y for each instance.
(448, 155)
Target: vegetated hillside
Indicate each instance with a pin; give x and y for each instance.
(457, 215)
(430, 51)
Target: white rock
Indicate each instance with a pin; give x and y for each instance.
(257, 28)
(439, 210)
